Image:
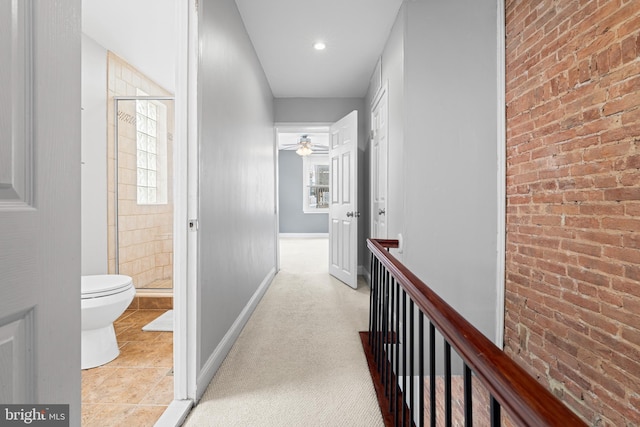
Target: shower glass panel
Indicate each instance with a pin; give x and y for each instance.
(143, 190)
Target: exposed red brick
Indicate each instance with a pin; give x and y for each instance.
(620, 132)
(628, 47)
(615, 55)
(626, 102)
(573, 206)
(624, 87)
(582, 302)
(632, 241)
(582, 222)
(598, 264)
(620, 194)
(628, 286)
(609, 297)
(588, 276)
(624, 224)
(632, 272)
(600, 237)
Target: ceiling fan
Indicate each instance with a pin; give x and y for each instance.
(304, 144)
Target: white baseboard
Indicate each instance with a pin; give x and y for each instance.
(367, 276)
(175, 414)
(215, 360)
(304, 235)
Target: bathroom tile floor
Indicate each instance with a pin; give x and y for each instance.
(136, 387)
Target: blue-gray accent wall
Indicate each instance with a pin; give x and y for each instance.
(292, 217)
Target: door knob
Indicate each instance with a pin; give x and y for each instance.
(353, 214)
(349, 214)
(381, 211)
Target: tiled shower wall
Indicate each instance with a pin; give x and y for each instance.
(145, 231)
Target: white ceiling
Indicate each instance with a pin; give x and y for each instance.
(143, 32)
(283, 32)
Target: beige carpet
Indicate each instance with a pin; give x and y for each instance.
(299, 360)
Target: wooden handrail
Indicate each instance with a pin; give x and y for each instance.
(527, 401)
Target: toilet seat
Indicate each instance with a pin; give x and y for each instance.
(102, 285)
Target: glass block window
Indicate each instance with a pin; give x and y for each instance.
(151, 152)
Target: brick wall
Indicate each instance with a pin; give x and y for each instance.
(573, 201)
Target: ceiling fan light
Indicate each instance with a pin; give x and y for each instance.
(304, 150)
(304, 146)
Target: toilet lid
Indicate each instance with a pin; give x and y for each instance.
(104, 284)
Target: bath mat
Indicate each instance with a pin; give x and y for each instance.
(162, 323)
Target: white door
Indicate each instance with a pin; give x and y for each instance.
(343, 211)
(379, 147)
(40, 203)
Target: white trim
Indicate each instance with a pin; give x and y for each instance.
(382, 90)
(192, 297)
(502, 144)
(175, 414)
(310, 127)
(381, 94)
(304, 235)
(375, 82)
(217, 357)
(276, 160)
(180, 192)
(184, 266)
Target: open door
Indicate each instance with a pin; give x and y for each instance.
(343, 211)
(40, 208)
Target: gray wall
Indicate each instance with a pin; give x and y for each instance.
(94, 158)
(236, 173)
(443, 150)
(330, 110)
(325, 110)
(292, 217)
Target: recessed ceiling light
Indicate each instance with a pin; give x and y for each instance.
(319, 45)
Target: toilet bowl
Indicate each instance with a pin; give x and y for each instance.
(104, 298)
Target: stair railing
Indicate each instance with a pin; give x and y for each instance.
(396, 351)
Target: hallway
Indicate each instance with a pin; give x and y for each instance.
(299, 360)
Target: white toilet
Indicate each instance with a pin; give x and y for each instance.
(104, 298)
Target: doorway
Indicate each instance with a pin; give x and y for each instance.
(329, 187)
(121, 27)
(379, 165)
